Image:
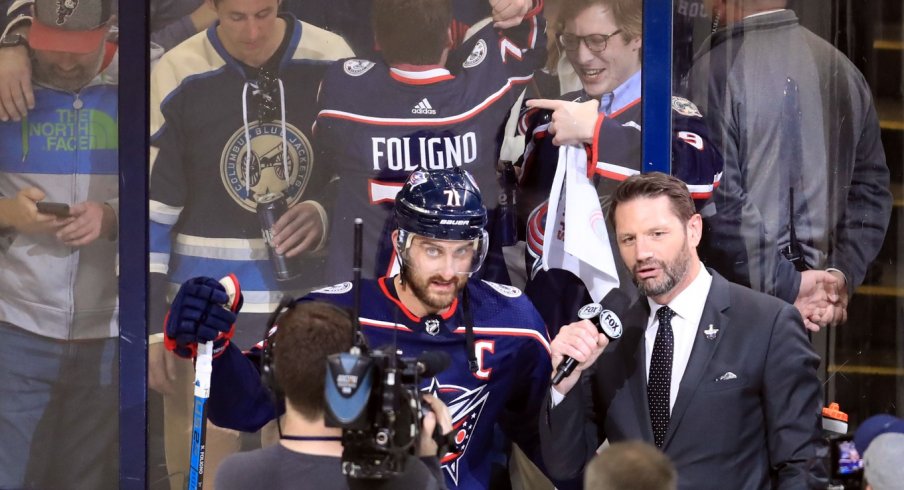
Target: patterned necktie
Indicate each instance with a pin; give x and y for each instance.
(660, 377)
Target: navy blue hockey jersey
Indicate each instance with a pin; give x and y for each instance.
(377, 124)
(202, 209)
(512, 352)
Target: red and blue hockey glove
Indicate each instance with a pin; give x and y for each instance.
(201, 312)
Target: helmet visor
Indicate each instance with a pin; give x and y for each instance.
(434, 256)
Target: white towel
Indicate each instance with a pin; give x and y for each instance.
(576, 238)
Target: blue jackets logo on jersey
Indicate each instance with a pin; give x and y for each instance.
(685, 107)
(341, 288)
(505, 290)
(465, 407)
(357, 67)
(478, 54)
(267, 169)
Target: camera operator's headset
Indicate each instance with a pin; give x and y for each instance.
(267, 364)
(267, 360)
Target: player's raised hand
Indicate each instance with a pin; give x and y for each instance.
(299, 229)
(509, 13)
(581, 341)
(572, 123)
(200, 313)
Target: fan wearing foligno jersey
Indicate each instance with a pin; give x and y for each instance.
(494, 336)
(380, 120)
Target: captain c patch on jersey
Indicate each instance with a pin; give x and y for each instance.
(267, 169)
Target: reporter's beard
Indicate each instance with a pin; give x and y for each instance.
(673, 271)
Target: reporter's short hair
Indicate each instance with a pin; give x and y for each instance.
(630, 465)
(308, 333)
(652, 185)
(412, 31)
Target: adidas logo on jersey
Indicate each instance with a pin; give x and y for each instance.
(423, 107)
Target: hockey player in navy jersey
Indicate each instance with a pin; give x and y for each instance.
(380, 120)
(602, 41)
(498, 344)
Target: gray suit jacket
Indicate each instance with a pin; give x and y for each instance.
(757, 430)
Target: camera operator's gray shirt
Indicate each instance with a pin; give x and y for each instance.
(277, 468)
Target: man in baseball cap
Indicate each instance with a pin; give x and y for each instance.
(72, 26)
(875, 426)
(59, 201)
(882, 462)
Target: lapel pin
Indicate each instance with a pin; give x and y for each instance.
(710, 332)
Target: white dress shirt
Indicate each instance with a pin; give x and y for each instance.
(688, 308)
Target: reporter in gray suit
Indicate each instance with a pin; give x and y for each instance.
(722, 379)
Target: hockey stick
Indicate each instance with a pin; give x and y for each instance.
(203, 369)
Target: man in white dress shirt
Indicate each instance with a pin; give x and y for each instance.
(721, 378)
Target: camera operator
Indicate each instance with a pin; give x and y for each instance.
(308, 451)
(496, 340)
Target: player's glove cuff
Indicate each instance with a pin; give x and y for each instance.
(189, 350)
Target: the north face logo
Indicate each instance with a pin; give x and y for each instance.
(423, 107)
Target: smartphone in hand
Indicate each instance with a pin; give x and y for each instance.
(58, 209)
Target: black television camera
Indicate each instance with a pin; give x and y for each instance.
(374, 397)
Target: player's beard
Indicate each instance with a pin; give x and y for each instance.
(673, 272)
(420, 287)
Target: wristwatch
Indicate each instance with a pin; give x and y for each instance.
(12, 40)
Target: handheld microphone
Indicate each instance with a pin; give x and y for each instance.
(607, 320)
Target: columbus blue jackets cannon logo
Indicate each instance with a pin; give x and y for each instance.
(267, 171)
(465, 406)
(478, 54)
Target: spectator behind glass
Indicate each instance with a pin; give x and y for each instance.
(882, 463)
(804, 164)
(381, 119)
(172, 21)
(875, 426)
(631, 465)
(231, 115)
(309, 332)
(602, 41)
(58, 287)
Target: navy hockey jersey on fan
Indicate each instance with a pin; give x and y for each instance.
(614, 156)
(202, 207)
(377, 124)
(512, 352)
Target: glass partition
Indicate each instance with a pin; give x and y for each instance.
(809, 123)
(805, 105)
